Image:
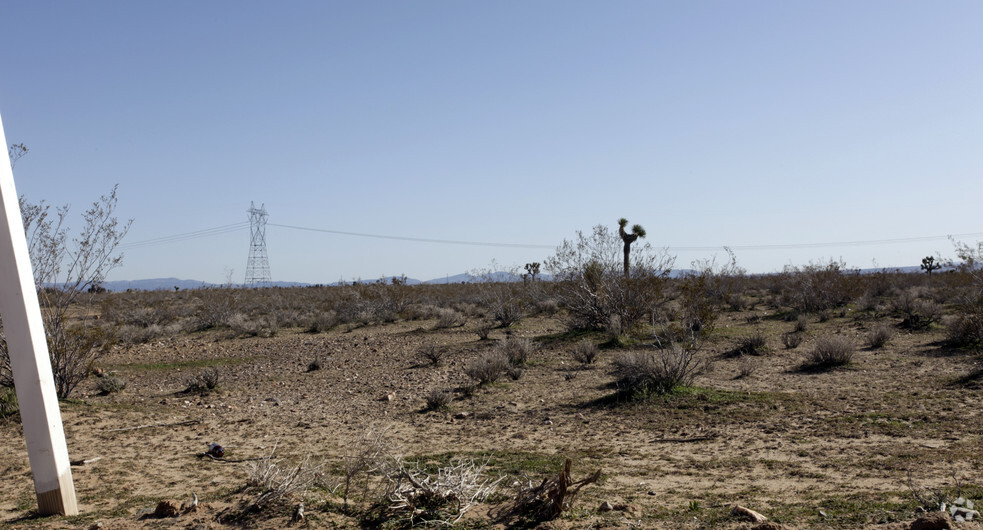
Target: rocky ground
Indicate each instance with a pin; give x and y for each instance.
(839, 448)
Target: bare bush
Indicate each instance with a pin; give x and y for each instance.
(437, 399)
(746, 367)
(64, 270)
(753, 344)
(260, 326)
(585, 352)
(433, 354)
(483, 329)
(448, 318)
(279, 480)
(110, 384)
(640, 374)
(832, 350)
(370, 452)
(517, 350)
(879, 336)
(791, 340)
(801, 323)
(966, 327)
(204, 382)
(592, 286)
(488, 367)
(816, 287)
(441, 497)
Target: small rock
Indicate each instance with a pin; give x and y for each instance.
(932, 521)
(462, 415)
(965, 513)
(652, 493)
(166, 509)
(605, 507)
(97, 525)
(388, 397)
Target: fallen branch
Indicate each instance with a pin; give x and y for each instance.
(85, 462)
(684, 440)
(229, 460)
(152, 425)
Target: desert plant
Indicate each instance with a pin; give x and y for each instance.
(636, 232)
(879, 335)
(441, 497)
(448, 318)
(364, 454)
(483, 329)
(585, 352)
(639, 374)
(279, 480)
(204, 382)
(965, 328)
(432, 354)
(832, 350)
(746, 367)
(437, 399)
(488, 368)
(110, 384)
(315, 364)
(753, 344)
(591, 286)
(929, 265)
(517, 350)
(791, 340)
(801, 323)
(8, 404)
(64, 270)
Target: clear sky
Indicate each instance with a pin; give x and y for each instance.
(710, 123)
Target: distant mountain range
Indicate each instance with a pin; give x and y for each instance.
(156, 284)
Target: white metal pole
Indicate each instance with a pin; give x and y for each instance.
(29, 361)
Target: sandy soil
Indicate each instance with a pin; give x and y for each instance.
(805, 448)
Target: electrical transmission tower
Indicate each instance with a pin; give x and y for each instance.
(258, 266)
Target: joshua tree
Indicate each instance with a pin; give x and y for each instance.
(929, 264)
(636, 232)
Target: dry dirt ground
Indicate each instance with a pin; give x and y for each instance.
(808, 449)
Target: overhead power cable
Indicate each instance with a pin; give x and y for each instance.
(868, 242)
(418, 239)
(207, 232)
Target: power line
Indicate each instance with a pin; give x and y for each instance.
(207, 232)
(418, 239)
(789, 246)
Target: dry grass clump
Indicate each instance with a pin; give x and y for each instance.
(879, 336)
(753, 344)
(831, 351)
(585, 352)
(110, 384)
(517, 350)
(433, 355)
(449, 318)
(801, 323)
(791, 340)
(660, 372)
(437, 399)
(488, 368)
(204, 382)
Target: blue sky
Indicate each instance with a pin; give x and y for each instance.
(709, 123)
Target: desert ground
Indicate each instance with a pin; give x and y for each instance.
(857, 445)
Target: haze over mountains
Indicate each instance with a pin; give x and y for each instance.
(155, 284)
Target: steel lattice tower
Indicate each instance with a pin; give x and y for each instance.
(258, 266)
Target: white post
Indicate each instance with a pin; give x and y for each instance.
(28, 349)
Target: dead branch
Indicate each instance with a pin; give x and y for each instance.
(552, 496)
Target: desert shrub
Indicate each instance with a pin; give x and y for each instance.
(753, 344)
(816, 287)
(916, 312)
(585, 352)
(261, 326)
(592, 286)
(801, 323)
(437, 399)
(448, 318)
(483, 329)
(517, 350)
(110, 384)
(8, 404)
(831, 350)
(879, 335)
(432, 354)
(548, 307)
(315, 364)
(487, 368)
(791, 340)
(639, 374)
(417, 495)
(204, 382)
(515, 372)
(279, 480)
(321, 321)
(965, 328)
(746, 367)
